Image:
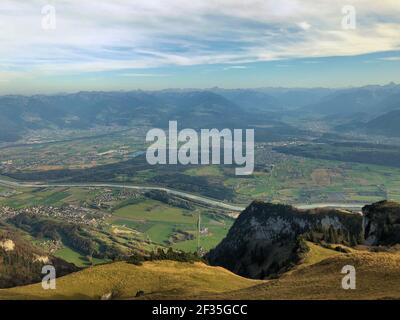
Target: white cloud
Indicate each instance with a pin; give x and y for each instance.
(100, 35)
(304, 25)
(144, 75)
(391, 58)
(236, 67)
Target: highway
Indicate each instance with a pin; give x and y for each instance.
(197, 198)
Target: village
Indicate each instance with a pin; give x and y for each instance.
(69, 213)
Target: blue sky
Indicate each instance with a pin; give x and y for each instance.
(156, 44)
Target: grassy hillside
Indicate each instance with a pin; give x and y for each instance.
(164, 278)
(377, 277)
(316, 254)
(319, 277)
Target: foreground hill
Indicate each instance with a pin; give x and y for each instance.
(377, 277)
(317, 277)
(122, 281)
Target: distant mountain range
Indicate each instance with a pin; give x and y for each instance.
(371, 100)
(87, 109)
(84, 110)
(277, 99)
(193, 108)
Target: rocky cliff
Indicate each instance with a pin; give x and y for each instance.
(267, 239)
(382, 223)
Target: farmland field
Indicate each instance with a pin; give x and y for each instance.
(301, 180)
(160, 222)
(72, 256)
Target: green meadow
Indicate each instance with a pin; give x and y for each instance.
(77, 258)
(159, 222)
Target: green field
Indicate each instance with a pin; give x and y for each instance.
(159, 222)
(77, 258)
(209, 170)
(152, 210)
(28, 197)
(299, 180)
(35, 197)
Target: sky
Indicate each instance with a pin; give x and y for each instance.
(65, 46)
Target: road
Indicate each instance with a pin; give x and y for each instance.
(201, 199)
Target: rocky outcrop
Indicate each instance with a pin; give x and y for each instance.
(7, 245)
(382, 223)
(266, 239)
(21, 262)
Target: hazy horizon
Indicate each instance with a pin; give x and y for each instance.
(48, 93)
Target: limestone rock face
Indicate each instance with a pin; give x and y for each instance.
(7, 245)
(382, 223)
(265, 239)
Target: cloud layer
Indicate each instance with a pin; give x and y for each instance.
(98, 35)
